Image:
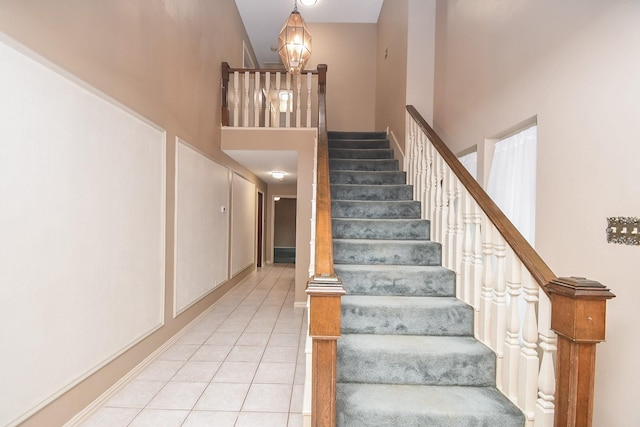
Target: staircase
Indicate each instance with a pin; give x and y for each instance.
(407, 356)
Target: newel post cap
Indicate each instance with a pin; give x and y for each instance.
(579, 308)
(325, 294)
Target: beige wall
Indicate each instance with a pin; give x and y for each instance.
(349, 50)
(301, 140)
(573, 64)
(162, 60)
(391, 72)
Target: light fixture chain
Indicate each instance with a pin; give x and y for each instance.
(295, 5)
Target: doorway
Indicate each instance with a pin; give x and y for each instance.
(260, 239)
(284, 231)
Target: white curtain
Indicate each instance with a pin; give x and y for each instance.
(470, 162)
(512, 180)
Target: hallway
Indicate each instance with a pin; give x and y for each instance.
(242, 363)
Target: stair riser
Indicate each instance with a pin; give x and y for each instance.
(410, 229)
(386, 252)
(359, 143)
(390, 367)
(456, 321)
(371, 192)
(347, 153)
(363, 165)
(368, 280)
(378, 405)
(368, 178)
(356, 135)
(371, 210)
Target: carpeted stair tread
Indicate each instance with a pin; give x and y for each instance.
(388, 209)
(408, 280)
(403, 315)
(407, 359)
(368, 177)
(371, 192)
(380, 229)
(389, 252)
(384, 405)
(359, 153)
(364, 165)
(359, 143)
(356, 135)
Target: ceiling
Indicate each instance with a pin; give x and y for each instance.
(263, 19)
(261, 162)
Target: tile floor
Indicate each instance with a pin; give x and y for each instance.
(241, 365)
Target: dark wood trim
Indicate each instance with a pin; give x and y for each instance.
(530, 258)
(224, 115)
(325, 290)
(324, 238)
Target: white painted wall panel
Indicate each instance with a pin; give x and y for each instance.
(243, 223)
(202, 229)
(82, 202)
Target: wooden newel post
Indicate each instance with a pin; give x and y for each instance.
(324, 328)
(224, 115)
(578, 317)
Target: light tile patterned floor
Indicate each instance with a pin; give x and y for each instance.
(240, 365)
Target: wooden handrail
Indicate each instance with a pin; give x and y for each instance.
(530, 258)
(325, 289)
(578, 305)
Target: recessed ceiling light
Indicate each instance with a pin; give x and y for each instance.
(276, 198)
(308, 2)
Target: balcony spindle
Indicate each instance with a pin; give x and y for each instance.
(298, 109)
(309, 76)
(236, 98)
(486, 296)
(278, 100)
(246, 99)
(267, 99)
(287, 116)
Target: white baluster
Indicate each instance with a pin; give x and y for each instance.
(444, 225)
(429, 196)
(460, 195)
(236, 98)
(499, 309)
(257, 99)
(298, 89)
(545, 407)
(464, 289)
(267, 99)
(278, 100)
(477, 265)
(287, 119)
(245, 109)
(407, 160)
(486, 296)
(529, 362)
(424, 178)
(439, 198)
(512, 340)
(420, 168)
(451, 220)
(309, 80)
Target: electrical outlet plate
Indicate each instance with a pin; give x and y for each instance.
(623, 230)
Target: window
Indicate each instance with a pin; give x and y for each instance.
(512, 180)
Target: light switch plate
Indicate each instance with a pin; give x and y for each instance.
(623, 230)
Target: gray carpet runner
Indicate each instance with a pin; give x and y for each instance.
(407, 356)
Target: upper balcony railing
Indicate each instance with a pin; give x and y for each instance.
(268, 98)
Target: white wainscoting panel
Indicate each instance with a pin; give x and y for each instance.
(202, 226)
(243, 223)
(82, 223)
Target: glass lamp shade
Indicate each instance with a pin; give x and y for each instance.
(294, 44)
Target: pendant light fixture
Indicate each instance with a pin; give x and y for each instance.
(294, 42)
